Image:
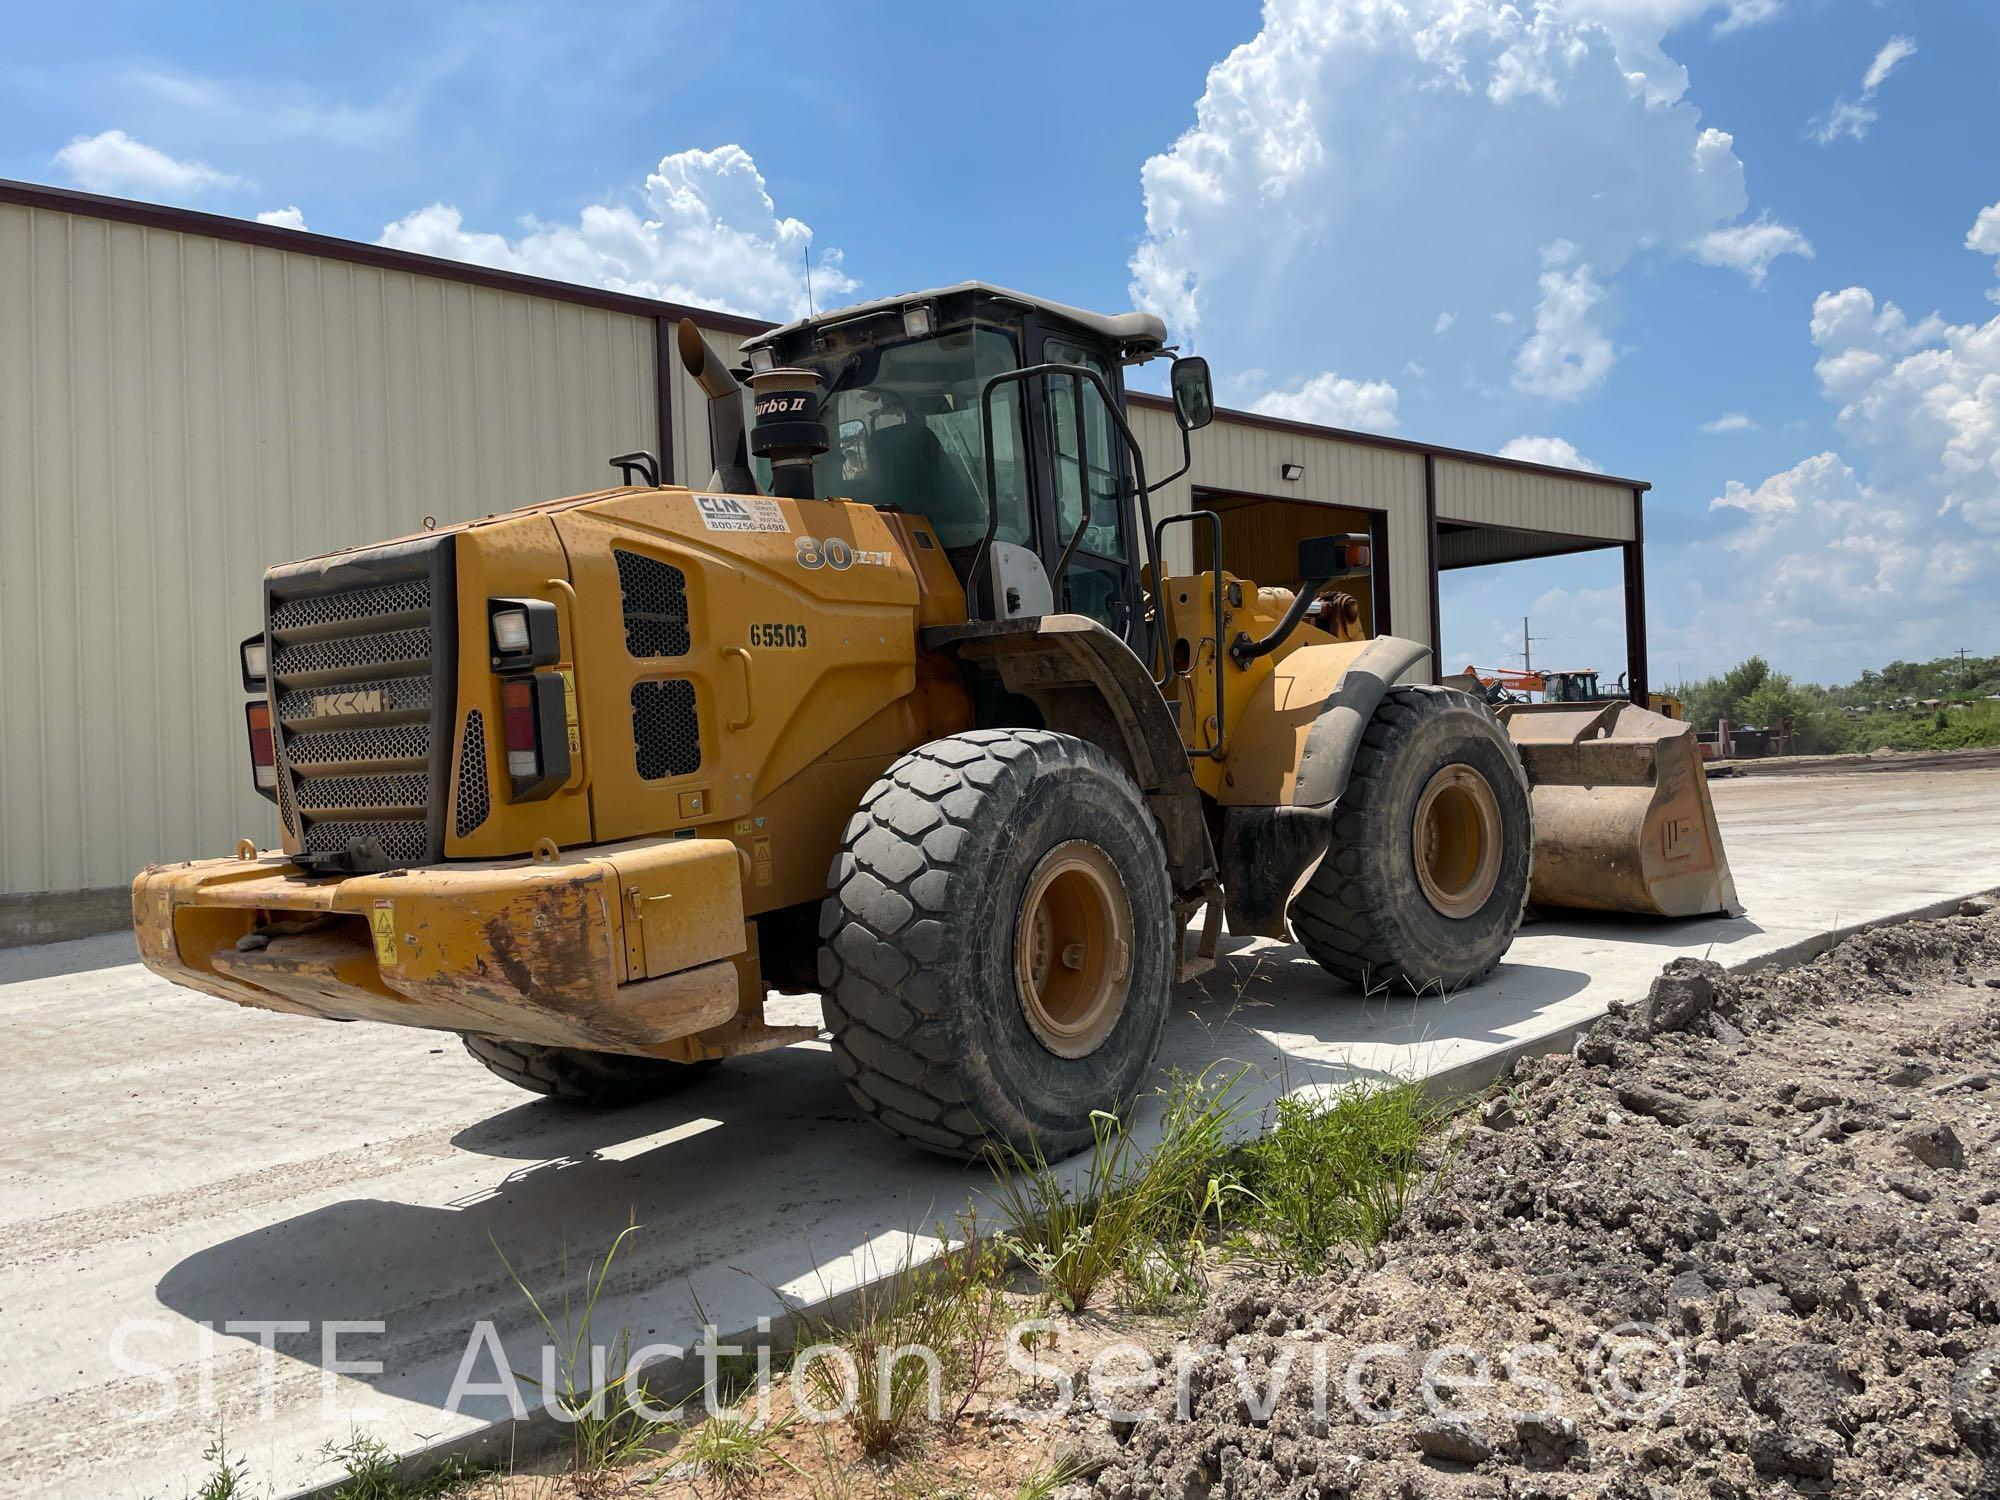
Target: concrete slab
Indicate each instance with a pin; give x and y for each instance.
(171, 1161)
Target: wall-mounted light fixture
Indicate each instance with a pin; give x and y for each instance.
(1292, 473)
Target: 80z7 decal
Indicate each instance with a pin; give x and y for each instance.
(777, 635)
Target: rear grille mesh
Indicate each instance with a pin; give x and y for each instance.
(361, 673)
(348, 748)
(655, 605)
(472, 794)
(301, 616)
(666, 731)
(342, 654)
(404, 794)
(399, 842)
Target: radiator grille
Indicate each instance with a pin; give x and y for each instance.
(655, 605)
(472, 795)
(665, 729)
(362, 655)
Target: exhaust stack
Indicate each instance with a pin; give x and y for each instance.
(727, 439)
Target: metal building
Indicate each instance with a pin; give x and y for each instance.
(185, 398)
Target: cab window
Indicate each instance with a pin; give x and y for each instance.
(905, 431)
(1101, 453)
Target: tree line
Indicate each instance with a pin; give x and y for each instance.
(1828, 720)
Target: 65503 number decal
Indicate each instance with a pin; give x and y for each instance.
(778, 635)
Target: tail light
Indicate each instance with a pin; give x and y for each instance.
(535, 732)
(263, 749)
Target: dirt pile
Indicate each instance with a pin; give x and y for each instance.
(1741, 1242)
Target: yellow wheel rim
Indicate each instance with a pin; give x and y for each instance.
(1073, 949)
(1456, 838)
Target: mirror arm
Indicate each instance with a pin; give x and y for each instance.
(1187, 462)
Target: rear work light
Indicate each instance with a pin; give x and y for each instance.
(263, 749)
(525, 634)
(535, 730)
(256, 662)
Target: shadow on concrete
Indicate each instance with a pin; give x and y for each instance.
(107, 950)
(1685, 933)
(762, 1176)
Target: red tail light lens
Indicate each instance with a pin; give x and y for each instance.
(517, 718)
(263, 749)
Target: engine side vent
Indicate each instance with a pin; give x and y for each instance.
(472, 797)
(666, 733)
(655, 604)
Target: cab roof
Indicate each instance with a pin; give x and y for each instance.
(1134, 335)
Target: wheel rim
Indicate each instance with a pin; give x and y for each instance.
(1456, 839)
(1073, 949)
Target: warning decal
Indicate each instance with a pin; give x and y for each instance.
(741, 513)
(384, 927)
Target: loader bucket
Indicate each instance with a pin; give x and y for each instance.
(1623, 820)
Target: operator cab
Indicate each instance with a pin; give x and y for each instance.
(907, 394)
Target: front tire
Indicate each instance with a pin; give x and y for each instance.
(603, 1080)
(998, 943)
(1426, 876)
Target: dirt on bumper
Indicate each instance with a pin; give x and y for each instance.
(620, 949)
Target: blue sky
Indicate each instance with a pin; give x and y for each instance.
(1662, 235)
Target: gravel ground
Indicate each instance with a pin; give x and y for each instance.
(1741, 1243)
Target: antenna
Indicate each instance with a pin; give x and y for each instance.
(811, 311)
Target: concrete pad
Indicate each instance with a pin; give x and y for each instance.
(171, 1161)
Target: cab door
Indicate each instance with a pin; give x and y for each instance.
(1079, 451)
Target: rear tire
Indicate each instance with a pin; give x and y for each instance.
(998, 943)
(602, 1079)
(1426, 877)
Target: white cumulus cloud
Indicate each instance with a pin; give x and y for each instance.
(1750, 248)
(1984, 237)
(707, 233)
(1853, 117)
(112, 162)
(1731, 421)
(1281, 218)
(1889, 546)
(1332, 400)
(1568, 355)
(283, 218)
(1744, 13)
(1559, 452)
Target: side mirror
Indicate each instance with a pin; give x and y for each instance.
(1194, 393)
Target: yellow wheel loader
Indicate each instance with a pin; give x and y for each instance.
(902, 706)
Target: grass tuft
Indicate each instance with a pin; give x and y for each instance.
(608, 1428)
(951, 1308)
(1337, 1172)
(1131, 1213)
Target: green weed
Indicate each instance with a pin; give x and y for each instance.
(608, 1427)
(921, 1343)
(1336, 1173)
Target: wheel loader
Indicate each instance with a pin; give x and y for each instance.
(905, 706)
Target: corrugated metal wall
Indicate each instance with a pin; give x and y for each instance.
(175, 413)
(1241, 459)
(1494, 496)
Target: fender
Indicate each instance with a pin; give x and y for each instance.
(1087, 682)
(1289, 762)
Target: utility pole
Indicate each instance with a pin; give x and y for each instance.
(1527, 646)
(1963, 680)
